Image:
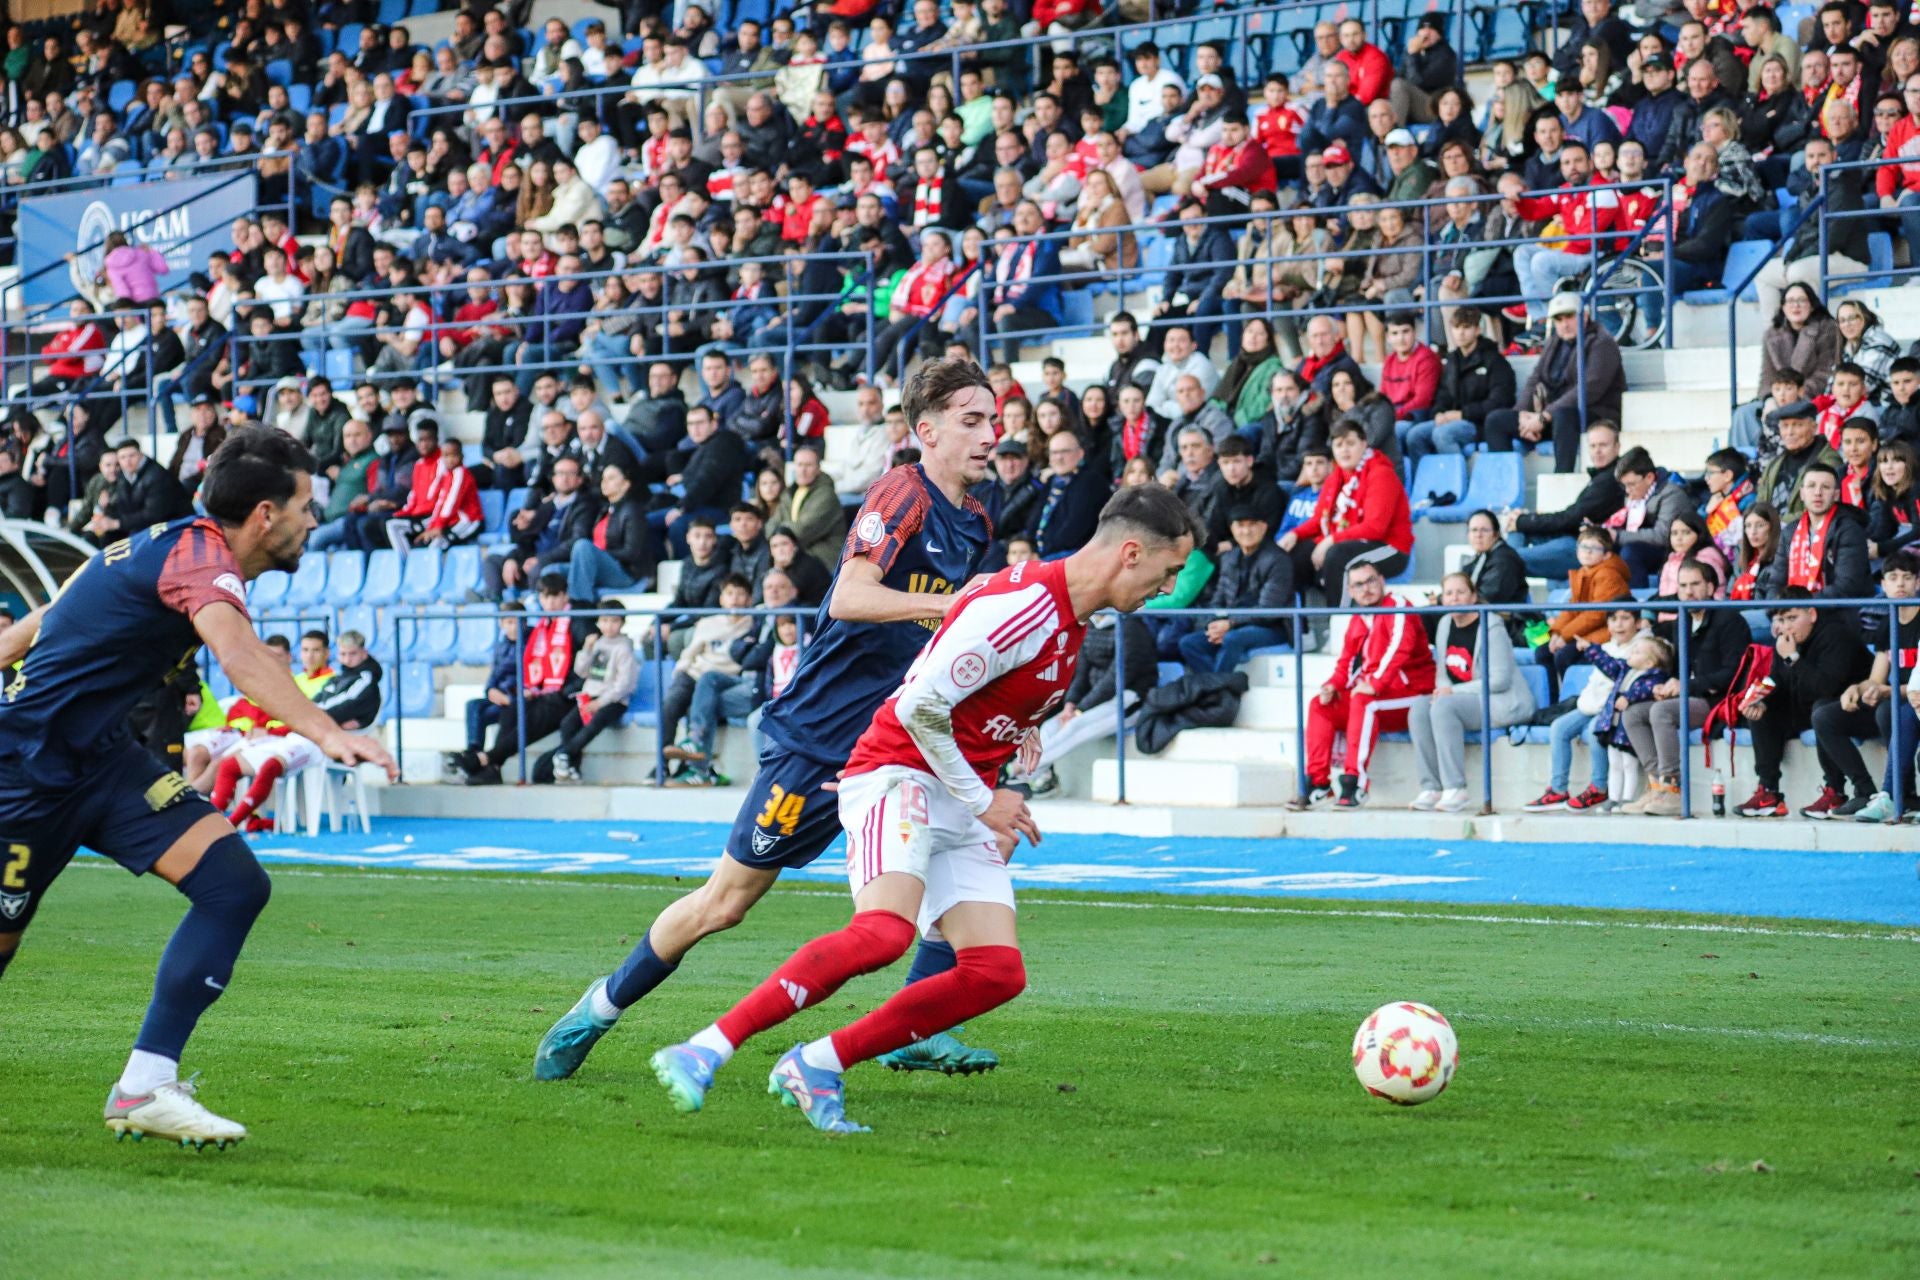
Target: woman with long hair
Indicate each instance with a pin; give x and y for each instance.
(1094, 246)
(1775, 121)
(1245, 385)
(536, 194)
(1893, 517)
(605, 343)
(1865, 341)
(1802, 337)
(1352, 396)
(1452, 122)
(1468, 655)
(1509, 133)
(1759, 543)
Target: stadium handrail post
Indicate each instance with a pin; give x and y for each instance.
(660, 726)
(1120, 709)
(519, 700)
(1685, 700)
(1483, 667)
(1896, 762)
(1300, 708)
(399, 698)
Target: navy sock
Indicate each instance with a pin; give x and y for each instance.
(228, 891)
(638, 974)
(931, 960)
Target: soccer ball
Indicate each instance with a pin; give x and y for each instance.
(1405, 1052)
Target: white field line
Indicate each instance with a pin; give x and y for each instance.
(1165, 904)
(1468, 1020)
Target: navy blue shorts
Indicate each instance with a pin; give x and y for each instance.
(788, 820)
(131, 808)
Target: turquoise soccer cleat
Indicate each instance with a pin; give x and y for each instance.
(943, 1053)
(687, 1072)
(568, 1041)
(816, 1092)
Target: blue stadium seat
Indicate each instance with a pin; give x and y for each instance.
(1171, 671)
(361, 618)
(644, 709)
(1497, 481)
(461, 575)
(268, 590)
(1742, 256)
(1536, 678)
(280, 72)
(433, 640)
(474, 640)
(493, 509)
(346, 572)
(283, 625)
(382, 584)
(391, 11)
(309, 584)
(517, 498)
(1575, 679)
(1438, 474)
(300, 98)
(347, 41)
(416, 689)
(120, 95)
(1076, 309)
(420, 576)
(218, 682)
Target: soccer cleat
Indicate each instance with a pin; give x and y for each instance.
(943, 1053)
(170, 1111)
(1764, 803)
(1822, 808)
(1550, 799)
(1424, 802)
(568, 1041)
(1592, 798)
(687, 1072)
(1878, 809)
(817, 1093)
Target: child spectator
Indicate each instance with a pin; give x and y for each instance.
(1624, 625)
(1893, 518)
(1688, 539)
(1645, 668)
(1601, 578)
(1316, 462)
(709, 648)
(612, 673)
(1858, 439)
(1730, 492)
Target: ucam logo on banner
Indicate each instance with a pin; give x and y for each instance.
(185, 219)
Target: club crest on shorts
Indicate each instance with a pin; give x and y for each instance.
(14, 905)
(763, 842)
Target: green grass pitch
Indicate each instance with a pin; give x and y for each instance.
(1634, 1099)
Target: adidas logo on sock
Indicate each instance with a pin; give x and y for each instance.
(798, 992)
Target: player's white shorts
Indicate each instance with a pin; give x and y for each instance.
(293, 751)
(900, 819)
(217, 741)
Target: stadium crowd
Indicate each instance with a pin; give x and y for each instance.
(640, 281)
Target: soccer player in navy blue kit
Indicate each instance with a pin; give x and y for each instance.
(71, 773)
(915, 543)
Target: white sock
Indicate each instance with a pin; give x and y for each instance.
(821, 1056)
(146, 1072)
(713, 1041)
(603, 1008)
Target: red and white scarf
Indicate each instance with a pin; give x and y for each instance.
(928, 201)
(1133, 436)
(924, 283)
(1346, 502)
(1013, 268)
(1808, 549)
(1853, 486)
(549, 655)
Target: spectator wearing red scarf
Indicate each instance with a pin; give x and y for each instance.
(1363, 514)
(548, 680)
(1824, 552)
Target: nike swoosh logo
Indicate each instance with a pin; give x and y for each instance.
(216, 986)
(128, 1104)
(933, 549)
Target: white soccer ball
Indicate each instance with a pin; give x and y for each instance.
(1405, 1052)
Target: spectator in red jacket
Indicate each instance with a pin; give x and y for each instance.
(1371, 69)
(1235, 168)
(1580, 213)
(1410, 376)
(1385, 666)
(74, 354)
(446, 512)
(1363, 514)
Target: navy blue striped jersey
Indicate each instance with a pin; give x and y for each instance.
(922, 542)
(120, 626)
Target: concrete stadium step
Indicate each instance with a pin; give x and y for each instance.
(1187, 783)
(1270, 708)
(576, 803)
(1276, 671)
(1229, 746)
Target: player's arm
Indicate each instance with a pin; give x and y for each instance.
(263, 676)
(18, 638)
(859, 596)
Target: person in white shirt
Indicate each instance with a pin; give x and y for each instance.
(1179, 358)
(574, 202)
(1143, 94)
(866, 458)
(597, 157)
(279, 286)
(1125, 175)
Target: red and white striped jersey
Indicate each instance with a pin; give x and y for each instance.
(999, 664)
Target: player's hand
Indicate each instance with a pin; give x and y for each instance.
(1327, 695)
(352, 748)
(1008, 818)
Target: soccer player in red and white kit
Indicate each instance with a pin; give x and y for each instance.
(928, 833)
(1385, 665)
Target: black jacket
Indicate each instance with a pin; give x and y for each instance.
(751, 562)
(1092, 684)
(152, 496)
(1263, 580)
(506, 429)
(699, 587)
(1844, 570)
(810, 578)
(1499, 575)
(1013, 508)
(627, 538)
(1066, 518)
(1832, 658)
(1475, 385)
(1282, 443)
(659, 423)
(1893, 525)
(711, 478)
(552, 542)
(1201, 701)
(1601, 498)
(1845, 236)
(1714, 651)
(1258, 492)
(352, 696)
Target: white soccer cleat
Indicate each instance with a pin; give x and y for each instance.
(171, 1112)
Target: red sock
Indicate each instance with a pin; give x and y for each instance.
(872, 940)
(984, 978)
(226, 779)
(257, 793)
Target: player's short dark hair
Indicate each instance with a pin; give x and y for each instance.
(321, 636)
(252, 465)
(552, 584)
(1150, 512)
(1708, 573)
(934, 385)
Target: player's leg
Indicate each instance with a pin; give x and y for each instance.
(943, 1051)
(268, 760)
(889, 841)
(232, 767)
(788, 820)
(227, 889)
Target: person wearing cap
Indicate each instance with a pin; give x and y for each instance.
(1549, 404)
(1193, 132)
(1234, 169)
(1338, 118)
(1653, 114)
(1410, 176)
(1345, 180)
(1588, 126)
(1801, 445)
(1430, 65)
(195, 446)
(1254, 573)
(1011, 497)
